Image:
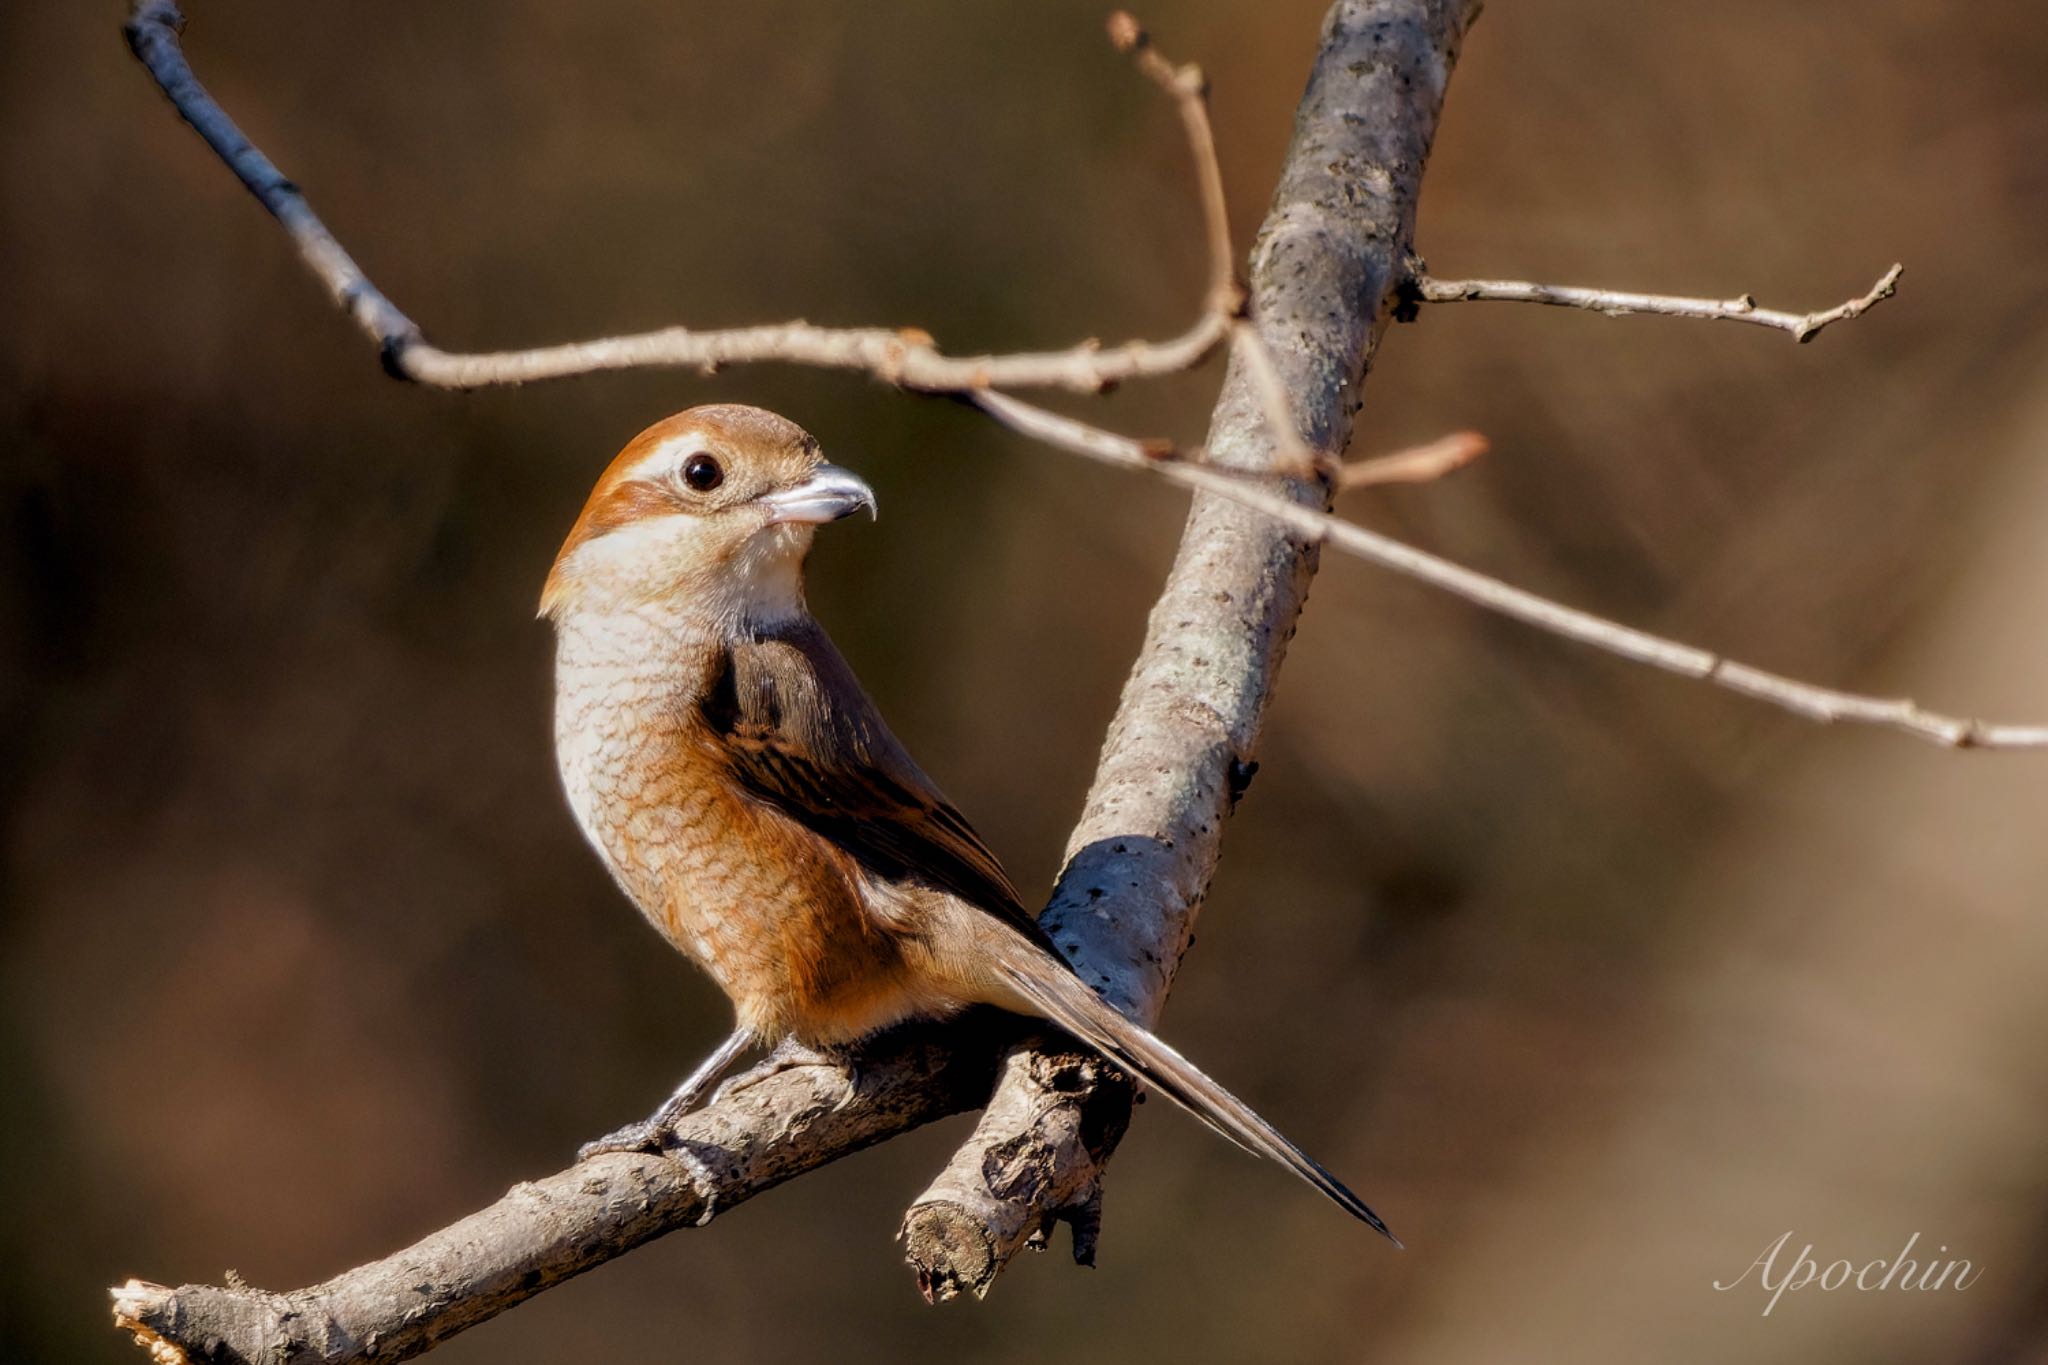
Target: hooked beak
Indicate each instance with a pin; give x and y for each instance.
(829, 494)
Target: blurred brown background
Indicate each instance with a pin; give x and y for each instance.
(1593, 980)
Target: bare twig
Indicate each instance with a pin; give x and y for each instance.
(1824, 704)
(1293, 457)
(902, 356)
(1190, 91)
(1617, 303)
(1417, 464)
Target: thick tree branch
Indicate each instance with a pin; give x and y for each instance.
(1325, 277)
(765, 1126)
(1618, 303)
(903, 356)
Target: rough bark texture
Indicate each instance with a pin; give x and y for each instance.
(765, 1127)
(1326, 271)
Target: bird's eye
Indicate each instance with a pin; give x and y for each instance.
(702, 473)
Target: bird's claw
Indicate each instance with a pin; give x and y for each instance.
(788, 1055)
(649, 1135)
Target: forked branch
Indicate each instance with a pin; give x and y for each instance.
(1326, 271)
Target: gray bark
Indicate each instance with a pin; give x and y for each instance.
(1326, 271)
(764, 1127)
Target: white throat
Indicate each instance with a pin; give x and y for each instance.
(758, 588)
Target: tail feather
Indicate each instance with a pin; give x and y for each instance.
(1058, 994)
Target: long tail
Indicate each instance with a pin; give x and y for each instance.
(1051, 986)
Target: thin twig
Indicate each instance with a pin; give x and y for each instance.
(1417, 464)
(902, 356)
(1618, 303)
(1824, 704)
(1190, 91)
(1292, 456)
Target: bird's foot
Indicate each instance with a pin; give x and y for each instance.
(657, 1131)
(790, 1054)
(650, 1134)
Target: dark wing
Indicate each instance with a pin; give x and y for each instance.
(800, 734)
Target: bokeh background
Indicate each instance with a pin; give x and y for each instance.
(1595, 981)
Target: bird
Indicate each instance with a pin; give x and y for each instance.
(742, 789)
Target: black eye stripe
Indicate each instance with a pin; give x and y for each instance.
(701, 473)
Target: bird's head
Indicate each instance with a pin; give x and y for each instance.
(711, 510)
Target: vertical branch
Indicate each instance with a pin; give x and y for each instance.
(1325, 274)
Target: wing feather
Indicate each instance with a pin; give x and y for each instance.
(799, 733)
